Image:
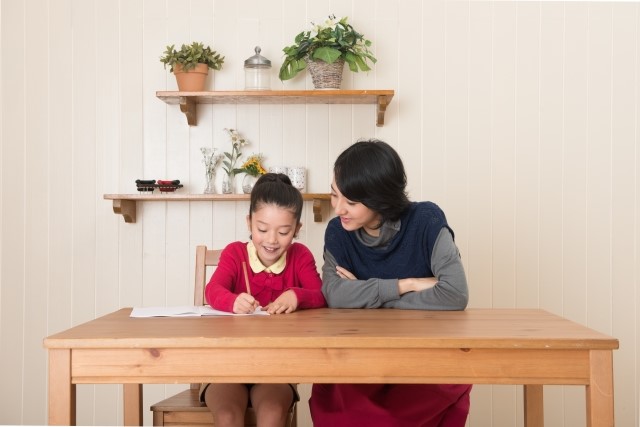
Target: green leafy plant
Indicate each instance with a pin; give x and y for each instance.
(191, 55)
(328, 42)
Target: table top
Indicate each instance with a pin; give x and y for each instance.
(339, 328)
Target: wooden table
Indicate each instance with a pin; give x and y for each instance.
(479, 346)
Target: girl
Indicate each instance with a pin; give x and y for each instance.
(282, 277)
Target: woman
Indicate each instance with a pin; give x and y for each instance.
(383, 251)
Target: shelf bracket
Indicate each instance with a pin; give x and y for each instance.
(126, 208)
(382, 108)
(188, 107)
(317, 210)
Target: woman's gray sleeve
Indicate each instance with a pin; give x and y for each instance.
(347, 293)
(451, 291)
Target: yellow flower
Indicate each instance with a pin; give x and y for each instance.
(252, 166)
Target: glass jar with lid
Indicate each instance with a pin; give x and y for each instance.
(256, 72)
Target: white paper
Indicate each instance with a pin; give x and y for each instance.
(187, 311)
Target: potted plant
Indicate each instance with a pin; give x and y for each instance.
(327, 45)
(191, 64)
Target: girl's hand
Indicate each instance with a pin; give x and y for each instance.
(344, 273)
(245, 304)
(287, 302)
(416, 284)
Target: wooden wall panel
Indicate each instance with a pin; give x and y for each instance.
(83, 67)
(599, 167)
(107, 159)
(477, 259)
(457, 141)
(14, 211)
(551, 158)
(37, 149)
(131, 148)
(478, 237)
(527, 155)
(624, 204)
(503, 149)
(433, 108)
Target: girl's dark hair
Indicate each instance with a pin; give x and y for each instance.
(371, 172)
(276, 189)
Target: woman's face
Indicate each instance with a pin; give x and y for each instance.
(354, 215)
(272, 230)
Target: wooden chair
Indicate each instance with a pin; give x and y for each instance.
(185, 407)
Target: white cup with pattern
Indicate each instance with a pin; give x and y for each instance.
(298, 177)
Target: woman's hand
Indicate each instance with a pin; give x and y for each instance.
(344, 273)
(416, 284)
(287, 302)
(245, 304)
(404, 285)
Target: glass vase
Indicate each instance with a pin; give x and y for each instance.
(210, 187)
(228, 184)
(248, 182)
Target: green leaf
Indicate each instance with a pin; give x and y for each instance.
(363, 65)
(191, 55)
(327, 54)
(290, 68)
(351, 63)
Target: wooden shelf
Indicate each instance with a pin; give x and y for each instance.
(188, 101)
(125, 204)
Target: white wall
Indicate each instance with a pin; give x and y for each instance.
(519, 118)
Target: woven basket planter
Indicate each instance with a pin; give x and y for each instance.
(326, 76)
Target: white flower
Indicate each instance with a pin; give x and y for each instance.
(229, 164)
(330, 23)
(211, 158)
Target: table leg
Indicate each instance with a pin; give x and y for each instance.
(599, 391)
(62, 393)
(533, 405)
(132, 394)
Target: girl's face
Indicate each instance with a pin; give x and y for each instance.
(354, 215)
(272, 230)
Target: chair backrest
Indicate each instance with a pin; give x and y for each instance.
(204, 258)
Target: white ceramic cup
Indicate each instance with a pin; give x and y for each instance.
(298, 177)
(279, 169)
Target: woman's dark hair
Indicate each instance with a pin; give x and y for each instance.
(276, 189)
(371, 172)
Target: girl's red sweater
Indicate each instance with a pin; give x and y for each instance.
(300, 274)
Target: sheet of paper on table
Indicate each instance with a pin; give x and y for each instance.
(187, 311)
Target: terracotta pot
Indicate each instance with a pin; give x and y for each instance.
(192, 80)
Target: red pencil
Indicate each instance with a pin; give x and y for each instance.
(246, 277)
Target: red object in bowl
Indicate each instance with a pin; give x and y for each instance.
(167, 186)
